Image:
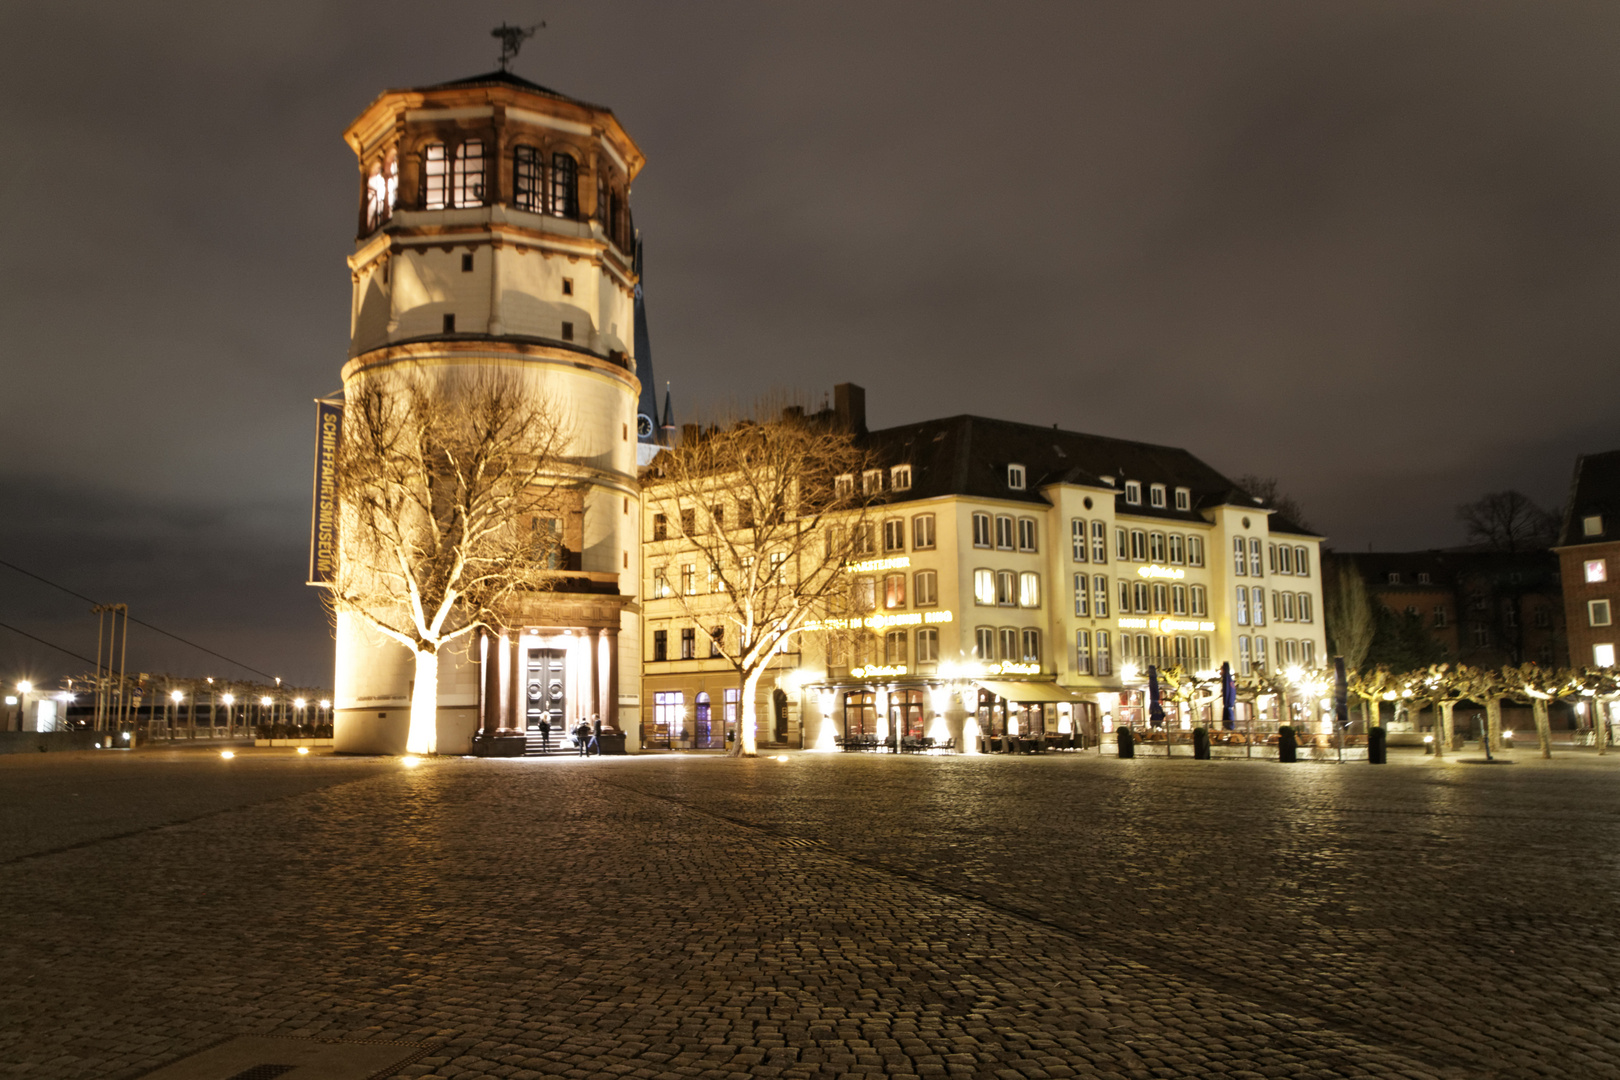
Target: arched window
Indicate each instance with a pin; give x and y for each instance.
(435, 177)
(467, 181)
(564, 201)
(528, 179)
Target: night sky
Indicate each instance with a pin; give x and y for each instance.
(1372, 249)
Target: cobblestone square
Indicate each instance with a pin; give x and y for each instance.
(852, 915)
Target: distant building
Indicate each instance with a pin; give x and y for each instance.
(1589, 559)
(1021, 580)
(1483, 608)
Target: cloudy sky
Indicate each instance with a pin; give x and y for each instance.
(1372, 249)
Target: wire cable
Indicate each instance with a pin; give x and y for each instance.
(47, 644)
(133, 619)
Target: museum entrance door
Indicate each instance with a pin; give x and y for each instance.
(545, 691)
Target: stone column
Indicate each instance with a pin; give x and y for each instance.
(491, 697)
(514, 683)
(610, 678)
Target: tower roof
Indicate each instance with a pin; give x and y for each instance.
(506, 78)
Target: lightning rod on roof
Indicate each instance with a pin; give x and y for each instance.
(512, 39)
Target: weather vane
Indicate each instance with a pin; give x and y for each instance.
(512, 39)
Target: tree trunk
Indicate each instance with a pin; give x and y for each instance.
(1493, 722)
(1442, 737)
(1600, 727)
(1543, 727)
(423, 737)
(747, 744)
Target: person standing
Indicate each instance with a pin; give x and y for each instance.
(596, 735)
(582, 736)
(545, 733)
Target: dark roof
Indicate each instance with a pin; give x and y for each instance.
(506, 78)
(969, 455)
(1446, 567)
(1594, 492)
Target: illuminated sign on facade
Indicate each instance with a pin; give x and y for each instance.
(1166, 626)
(1007, 667)
(899, 562)
(1174, 573)
(876, 672)
(884, 621)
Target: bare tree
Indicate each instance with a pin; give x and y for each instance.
(1348, 611)
(1508, 521)
(756, 500)
(447, 486)
(1268, 489)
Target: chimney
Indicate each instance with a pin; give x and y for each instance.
(849, 402)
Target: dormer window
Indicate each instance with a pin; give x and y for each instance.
(844, 487)
(1015, 477)
(872, 482)
(1592, 526)
(1394, 579)
(1133, 492)
(1183, 499)
(900, 478)
(1423, 578)
(1156, 495)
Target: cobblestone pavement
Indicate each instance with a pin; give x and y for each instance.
(826, 915)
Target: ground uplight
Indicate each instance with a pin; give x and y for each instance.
(303, 749)
(410, 761)
(227, 754)
(781, 757)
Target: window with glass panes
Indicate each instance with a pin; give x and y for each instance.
(1122, 545)
(1006, 588)
(1124, 593)
(1079, 544)
(1026, 534)
(467, 179)
(894, 647)
(688, 643)
(1007, 641)
(1082, 595)
(1004, 532)
(1197, 600)
(1257, 606)
(984, 587)
(1242, 605)
(894, 591)
(927, 645)
(1240, 557)
(1138, 545)
(1029, 589)
(1178, 599)
(1099, 542)
(564, 197)
(1100, 658)
(1031, 641)
(1156, 548)
(922, 532)
(528, 179)
(1139, 597)
(660, 649)
(1255, 558)
(1302, 603)
(1161, 599)
(1178, 549)
(1195, 551)
(981, 530)
(984, 642)
(894, 535)
(1099, 597)
(925, 588)
(1302, 562)
(1082, 652)
(435, 177)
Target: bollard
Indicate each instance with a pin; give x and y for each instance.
(1287, 745)
(1200, 744)
(1127, 743)
(1376, 743)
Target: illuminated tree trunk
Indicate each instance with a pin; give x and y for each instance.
(1543, 728)
(423, 737)
(747, 744)
(1493, 722)
(1443, 737)
(1600, 727)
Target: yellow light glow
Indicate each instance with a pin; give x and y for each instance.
(25, 687)
(1129, 672)
(228, 699)
(1167, 625)
(265, 701)
(781, 757)
(303, 749)
(298, 703)
(176, 696)
(899, 562)
(877, 671)
(410, 761)
(325, 704)
(227, 754)
(1174, 573)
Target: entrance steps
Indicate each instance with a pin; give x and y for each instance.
(559, 743)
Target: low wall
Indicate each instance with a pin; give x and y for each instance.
(34, 742)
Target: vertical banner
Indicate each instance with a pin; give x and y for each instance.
(323, 509)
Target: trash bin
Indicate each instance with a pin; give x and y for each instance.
(1377, 752)
(1200, 744)
(1127, 743)
(1287, 745)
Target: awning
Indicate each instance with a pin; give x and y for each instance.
(1026, 691)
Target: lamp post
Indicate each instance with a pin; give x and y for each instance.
(266, 702)
(176, 696)
(24, 688)
(229, 699)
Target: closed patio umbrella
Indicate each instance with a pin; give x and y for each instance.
(1155, 710)
(1228, 698)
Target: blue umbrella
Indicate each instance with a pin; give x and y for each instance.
(1155, 710)
(1228, 698)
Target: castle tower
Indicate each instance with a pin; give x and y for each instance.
(494, 233)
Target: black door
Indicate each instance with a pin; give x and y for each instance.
(545, 689)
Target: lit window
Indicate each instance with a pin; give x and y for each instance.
(564, 200)
(467, 181)
(1133, 492)
(528, 181)
(1156, 495)
(1029, 590)
(1597, 570)
(1603, 655)
(1183, 499)
(435, 177)
(1195, 551)
(660, 583)
(1026, 534)
(1242, 605)
(871, 481)
(1099, 542)
(382, 186)
(984, 587)
(1077, 539)
(981, 530)
(926, 591)
(1592, 526)
(1597, 612)
(900, 478)
(1006, 588)
(1198, 600)
(922, 532)
(1004, 533)
(894, 591)
(688, 580)
(1082, 595)
(688, 643)
(1015, 477)
(1082, 652)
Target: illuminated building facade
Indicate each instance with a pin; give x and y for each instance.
(495, 235)
(1589, 560)
(1017, 579)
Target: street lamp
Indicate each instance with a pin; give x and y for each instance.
(24, 688)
